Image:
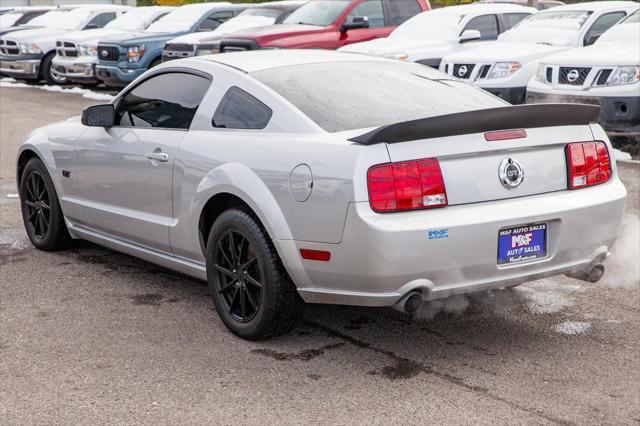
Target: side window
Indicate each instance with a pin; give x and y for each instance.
(401, 10)
(214, 20)
(601, 25)
(101, 20)
(239, 110)
(372, 9)
(166, 100)
(486, 24)
(510, 19)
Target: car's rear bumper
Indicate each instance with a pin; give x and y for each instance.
(115, 76)
(80, 70)
(618, 113)
(20, 68)
(385, 256)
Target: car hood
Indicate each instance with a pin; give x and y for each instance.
(597, 55)
(383, 46)
(93, 36)
(37, 35)
(140, 38)
(504, 52)
(277, 32)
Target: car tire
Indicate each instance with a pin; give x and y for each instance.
(155, 62)
(240, 255)
(47, 72)
(41, 213)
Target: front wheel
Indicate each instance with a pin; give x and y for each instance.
(48, 72)
(252, 292)
(41, 213)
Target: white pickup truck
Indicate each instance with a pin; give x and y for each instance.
(28, 54)
(504, 67)
(76, 53)
(605, 74)
(429, 36)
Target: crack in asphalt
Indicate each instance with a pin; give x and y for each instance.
(419, 367)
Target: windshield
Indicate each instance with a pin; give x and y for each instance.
(181, 19)
(625, 33)
(8, 19)
(342, 96)
(318, 12)
(62, 19)
(428, 25)
(559, 28)
(261, 11)
(131, 21)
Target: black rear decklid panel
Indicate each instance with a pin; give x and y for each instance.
(484, 120)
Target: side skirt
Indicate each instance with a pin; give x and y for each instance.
(194, 270)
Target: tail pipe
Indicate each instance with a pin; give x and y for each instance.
(409, 303)
(592, 273)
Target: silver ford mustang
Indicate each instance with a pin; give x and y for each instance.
(284, 177)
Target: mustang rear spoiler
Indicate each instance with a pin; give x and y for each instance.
(483, 120)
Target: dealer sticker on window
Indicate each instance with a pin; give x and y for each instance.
(522, 243)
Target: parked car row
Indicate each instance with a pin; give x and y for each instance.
(501, 46)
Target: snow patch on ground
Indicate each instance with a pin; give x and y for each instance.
(547, 297)
(86, 93)
(572, 327)
(14, 239)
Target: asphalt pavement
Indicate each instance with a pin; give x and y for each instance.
(92, 336)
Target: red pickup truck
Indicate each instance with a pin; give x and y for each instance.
(328, 24)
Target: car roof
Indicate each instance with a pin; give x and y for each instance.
(595, 5)
(260, 60)
(208, 6)
(99, 7)
(481, 7)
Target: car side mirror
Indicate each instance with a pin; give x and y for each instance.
(99, 116)
(91, 26)
(469, 35)
(588, 41)
(355, 23)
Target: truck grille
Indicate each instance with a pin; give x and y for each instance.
(179, 47)
(463, 70)
(573, 76)
(66, 49)
(603, 77)
(238, 45)
(108, 53)
(177, 51)
(9, 47)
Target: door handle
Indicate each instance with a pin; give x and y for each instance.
(158, 156)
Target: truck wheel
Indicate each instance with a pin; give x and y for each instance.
(41, 213)
(48, 73)
(251, 290)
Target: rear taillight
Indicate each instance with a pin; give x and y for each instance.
(407, 185)
(588, 164)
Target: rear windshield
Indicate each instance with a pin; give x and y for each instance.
(342, 96)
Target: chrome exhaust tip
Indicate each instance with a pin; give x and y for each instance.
(596, 273)
(592, 273)
(409, 303)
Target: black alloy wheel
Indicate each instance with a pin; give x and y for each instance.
(41, 213)
(251, 290)
(38, 206)
(240, 279)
